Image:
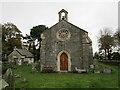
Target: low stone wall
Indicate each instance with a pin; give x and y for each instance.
(113, 62)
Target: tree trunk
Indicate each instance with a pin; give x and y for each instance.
(105, 54)
(29, 48)
(108, 51)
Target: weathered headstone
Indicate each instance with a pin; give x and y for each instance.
(92, 66)
(96, 67)
(17, 75)
(34, 67)
(9, 78)
(24, 80)
(4, 84)
(96, 71)
(107, 70)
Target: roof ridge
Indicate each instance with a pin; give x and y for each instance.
(25, 52)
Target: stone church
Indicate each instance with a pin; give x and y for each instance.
(65, 46)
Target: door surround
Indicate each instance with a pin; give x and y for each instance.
(58, 60)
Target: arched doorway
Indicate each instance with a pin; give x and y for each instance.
(65, 56)
(63, 61)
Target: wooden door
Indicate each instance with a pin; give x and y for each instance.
(63, 61)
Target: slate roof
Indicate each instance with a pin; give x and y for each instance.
(25, 53)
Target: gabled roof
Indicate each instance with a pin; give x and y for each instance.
(77, 27)
(24, 52)
(68, 23)
(63, 11)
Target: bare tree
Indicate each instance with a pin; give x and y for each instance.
(106, 42)
(117, 39)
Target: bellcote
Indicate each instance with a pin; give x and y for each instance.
(63, 15)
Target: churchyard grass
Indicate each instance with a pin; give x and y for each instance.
(69, 80)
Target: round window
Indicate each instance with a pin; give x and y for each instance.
(63, 34)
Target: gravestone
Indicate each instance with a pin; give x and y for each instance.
(17, 75)
(96, 71)
(107, 70)
(92, 66)
(96, 67)
(9, 78)
(4, 84)
(24, 80)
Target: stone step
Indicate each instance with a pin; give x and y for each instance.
(63, 72)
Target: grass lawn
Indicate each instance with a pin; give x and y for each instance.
(69, 80)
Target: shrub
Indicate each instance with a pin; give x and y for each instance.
(4, 68)
(6, 65)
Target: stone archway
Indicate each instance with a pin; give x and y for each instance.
(63, 61)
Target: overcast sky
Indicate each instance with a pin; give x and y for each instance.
(90, 16)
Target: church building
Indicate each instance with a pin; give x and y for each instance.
(65, 46)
